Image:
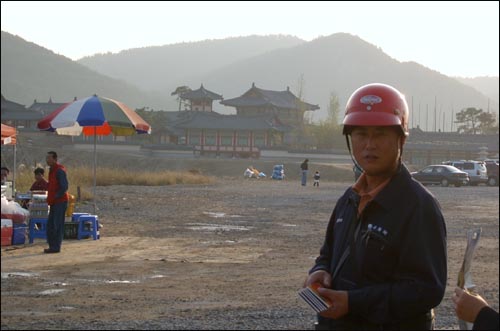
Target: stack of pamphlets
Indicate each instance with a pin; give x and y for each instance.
(312, 298)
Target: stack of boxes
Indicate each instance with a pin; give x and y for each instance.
(39, 207)
(39, 211)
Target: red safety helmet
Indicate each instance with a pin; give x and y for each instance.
(376, 105)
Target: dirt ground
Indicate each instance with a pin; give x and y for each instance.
(230, 255)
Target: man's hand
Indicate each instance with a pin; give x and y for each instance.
(467, 305)
(321, 277)
(339, 300)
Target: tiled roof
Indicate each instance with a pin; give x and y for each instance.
(174, 117)
(216, 121)
(419, 139)
(46, 108)
(201, 93)
(256, 97)
(15, 111)
(11, 105)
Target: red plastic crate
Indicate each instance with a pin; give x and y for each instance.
(6, 232)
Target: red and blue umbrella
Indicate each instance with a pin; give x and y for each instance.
(94, 116)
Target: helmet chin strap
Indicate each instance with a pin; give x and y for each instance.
(402, 141)
(356, 164)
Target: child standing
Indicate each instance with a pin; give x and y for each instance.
(316, 179)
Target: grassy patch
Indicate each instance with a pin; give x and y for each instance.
(83, 177)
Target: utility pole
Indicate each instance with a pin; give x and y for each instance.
(441, 112)
(435, 121)
(452, 116)
(426, 117)
(412, 112)
(419, 122)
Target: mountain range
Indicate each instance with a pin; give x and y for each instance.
(338, 64)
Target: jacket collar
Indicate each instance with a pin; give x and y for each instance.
(395, 190)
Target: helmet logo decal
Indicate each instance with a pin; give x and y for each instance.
(370, 100)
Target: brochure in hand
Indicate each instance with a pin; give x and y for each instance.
(311, 296)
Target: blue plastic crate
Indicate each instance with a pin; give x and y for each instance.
(19, 234)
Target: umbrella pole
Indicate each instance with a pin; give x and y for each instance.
(95, 165)
(15, 168)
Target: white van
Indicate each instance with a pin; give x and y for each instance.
(478, 174)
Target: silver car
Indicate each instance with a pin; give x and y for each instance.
(477, 171)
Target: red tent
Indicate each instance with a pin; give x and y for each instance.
(8, 135)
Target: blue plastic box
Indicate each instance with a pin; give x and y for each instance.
(19, 233)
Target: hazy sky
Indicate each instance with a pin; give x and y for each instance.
(454, 38)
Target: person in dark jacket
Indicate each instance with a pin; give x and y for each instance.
(57, 199)
(304, 169)
(383, 264)
(474, 309)
(40, 183)
(5, 174)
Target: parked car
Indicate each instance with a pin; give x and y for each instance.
(476, 170)
(441, 174)
(492, 168)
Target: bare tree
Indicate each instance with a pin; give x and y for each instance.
(179, 91)
(333, 110)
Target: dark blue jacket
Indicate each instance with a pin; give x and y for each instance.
(395, 271)
(487, 319)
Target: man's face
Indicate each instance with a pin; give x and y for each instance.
(4, 174)
(50, 160)
(376, 149)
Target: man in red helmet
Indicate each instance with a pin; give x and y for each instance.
(383, 261)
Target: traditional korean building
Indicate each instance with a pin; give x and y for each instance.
(201, 99)
(425, 148)
(17, 115)
(46, 108)
(282, 104)
(211, 133)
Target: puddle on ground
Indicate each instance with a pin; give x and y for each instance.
(19, 274)
(121, 281)
(55, 284)
(52, 291)
(217, 227)
(212, 242)
(59, 290)
(214, 214)
(219, 214)
(109, 281)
